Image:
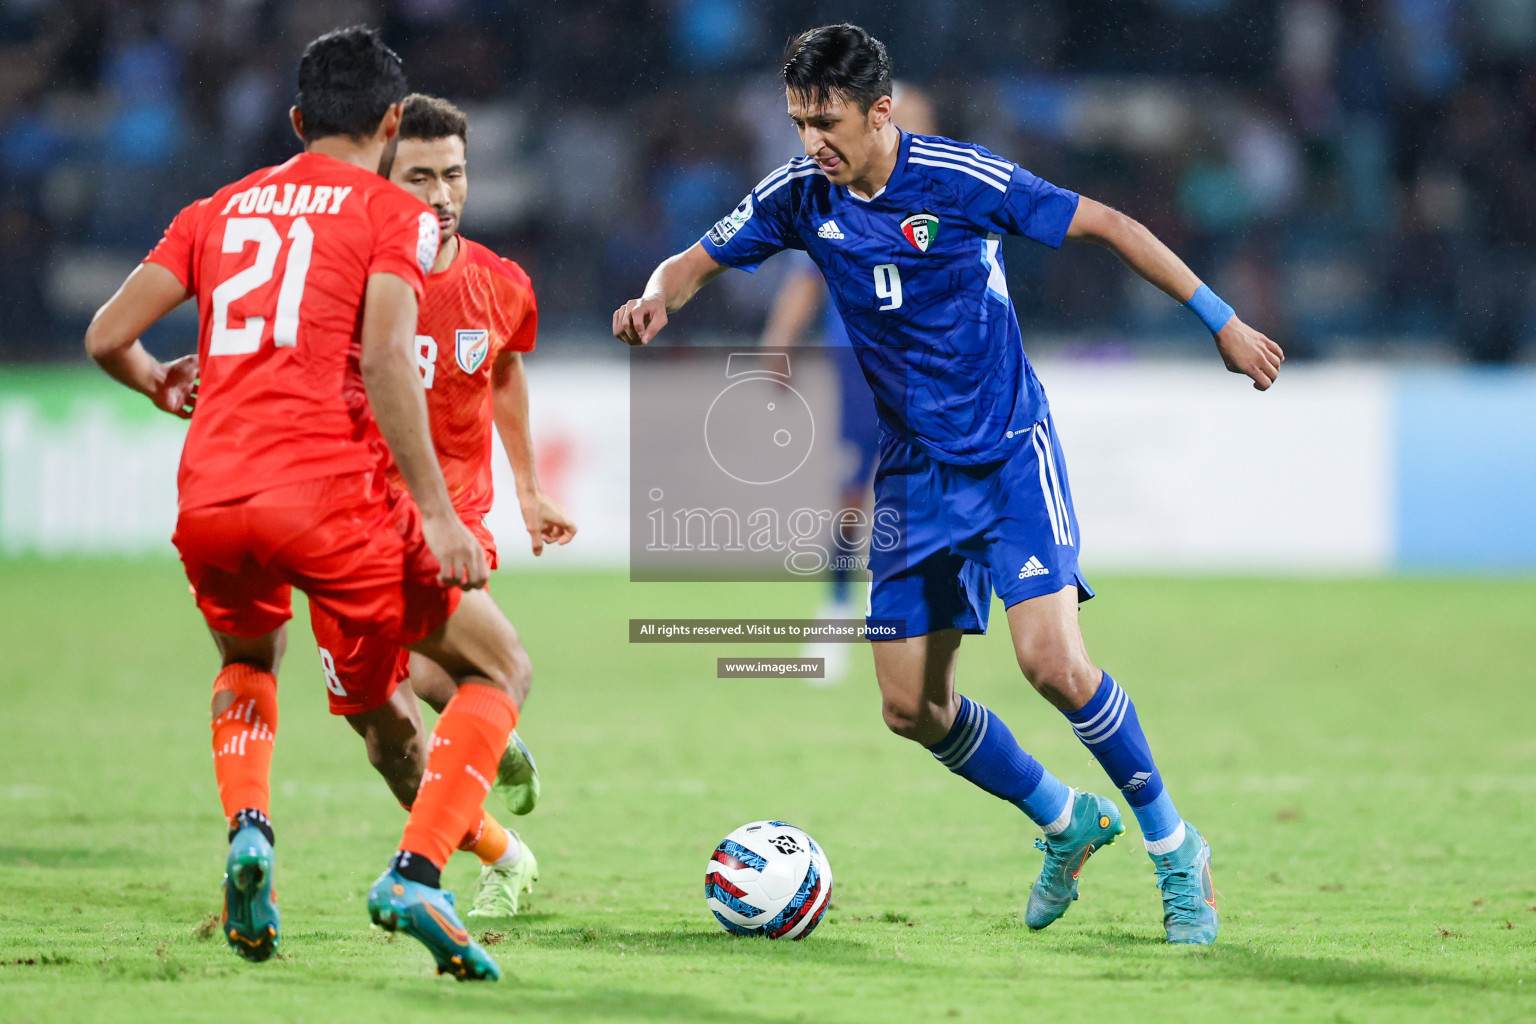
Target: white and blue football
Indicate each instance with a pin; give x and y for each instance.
(768, 878)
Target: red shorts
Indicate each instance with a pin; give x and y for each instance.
(349, 543)
(363, 672)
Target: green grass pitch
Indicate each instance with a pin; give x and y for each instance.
(1362, 755)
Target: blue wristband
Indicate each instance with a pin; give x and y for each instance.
(1207, 305)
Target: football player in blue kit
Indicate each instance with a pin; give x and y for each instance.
(795, 305)
(905, 228)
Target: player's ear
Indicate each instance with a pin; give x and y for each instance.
(880, 113)
(390, 126)
(296, 116)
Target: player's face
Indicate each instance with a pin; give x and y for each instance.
(433, 171)
(838, 135)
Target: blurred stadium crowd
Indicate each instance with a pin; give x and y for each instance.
(1357, 176)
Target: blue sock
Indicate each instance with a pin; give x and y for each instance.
(980, 749)
(841, 580)
(1109, 728)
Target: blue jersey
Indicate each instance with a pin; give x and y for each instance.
(916, 274)
(833, 333)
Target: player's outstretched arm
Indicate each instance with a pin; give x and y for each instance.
(399, 405)
(672, 284)
(149, 293)
(1243, 349)
(546, 521)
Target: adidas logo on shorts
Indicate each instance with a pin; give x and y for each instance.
(829, 230)
(1033, 568)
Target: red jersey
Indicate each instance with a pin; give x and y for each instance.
(480, 306)
(279, 262)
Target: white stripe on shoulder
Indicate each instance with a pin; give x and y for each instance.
(1003, 165)
(785, 180)
(978, 175)
(796, 164)
(967, 158)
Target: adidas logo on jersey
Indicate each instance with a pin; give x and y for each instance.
(829, 230)
(1033, 568)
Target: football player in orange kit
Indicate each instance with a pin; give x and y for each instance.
(307, 277)
(478, 315)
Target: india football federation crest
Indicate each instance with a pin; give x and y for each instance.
(921, 229)
(470, 349)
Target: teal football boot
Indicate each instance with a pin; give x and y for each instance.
(395, 903)
(1189, 896)
(1095, 824)
(517, 777)
(498, 890)
(250, 907)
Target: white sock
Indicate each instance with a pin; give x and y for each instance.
(1158, 847)
(1064, 818)
(514, 852)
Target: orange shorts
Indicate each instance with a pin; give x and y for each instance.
(348, 542)
(363, 672)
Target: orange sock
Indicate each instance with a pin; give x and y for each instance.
(487, 838)
(243, 735)
(468, 742)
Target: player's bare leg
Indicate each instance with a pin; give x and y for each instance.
(1048, 642)
(396, 740)
(917, 684)
(244, 722)
(479, 650)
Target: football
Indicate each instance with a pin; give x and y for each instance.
(768, 878)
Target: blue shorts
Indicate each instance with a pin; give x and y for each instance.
(952, 535)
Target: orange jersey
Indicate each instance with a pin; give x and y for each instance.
(279, 262)
(479, 307)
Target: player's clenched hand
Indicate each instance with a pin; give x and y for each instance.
(461, 560)
(639, 320)
(177, 392)
(1249, 352)
(546, 521)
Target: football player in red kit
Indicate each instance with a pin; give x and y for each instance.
(307, 277)
(478, 316)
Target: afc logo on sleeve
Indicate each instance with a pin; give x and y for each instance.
(470, 348)
(731, 223)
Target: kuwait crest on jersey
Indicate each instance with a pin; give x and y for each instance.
(470, 349)
(921, 230)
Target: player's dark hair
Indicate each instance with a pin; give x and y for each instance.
(838, 62)
(348, 79)
(432, 117)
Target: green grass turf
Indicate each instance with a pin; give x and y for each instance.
(1362, 755)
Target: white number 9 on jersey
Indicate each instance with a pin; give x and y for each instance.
(888, 286)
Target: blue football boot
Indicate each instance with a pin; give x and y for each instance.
(1095, 824)
(250, 907)
(428, 916)
(1189, 896)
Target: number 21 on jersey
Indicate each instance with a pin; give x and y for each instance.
(245, 338)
